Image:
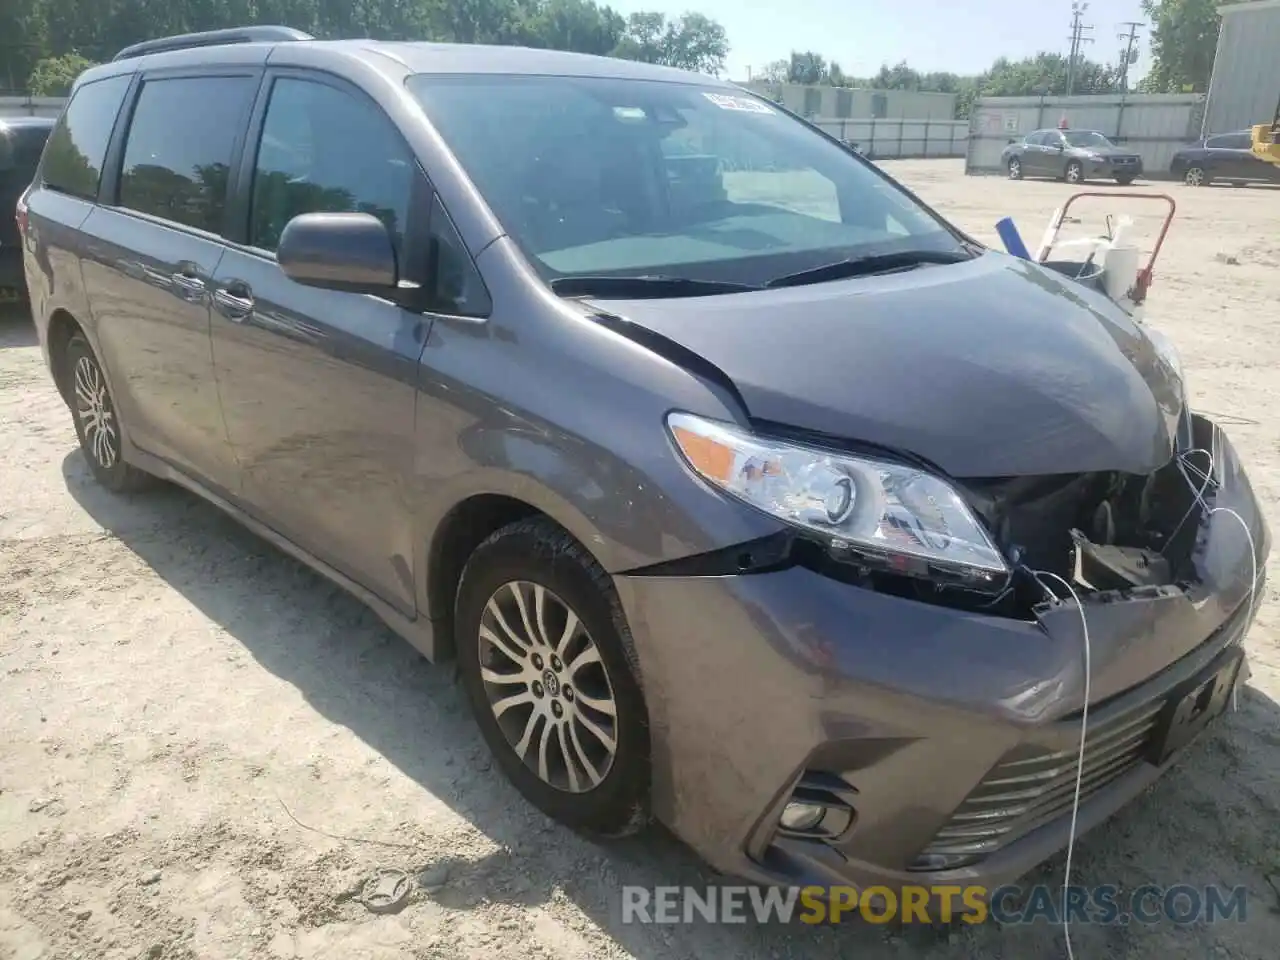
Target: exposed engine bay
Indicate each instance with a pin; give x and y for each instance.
(1099, 531)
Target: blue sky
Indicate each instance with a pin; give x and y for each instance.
(963, 36)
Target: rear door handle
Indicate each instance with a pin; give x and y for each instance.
(188, 277)
(234, 301)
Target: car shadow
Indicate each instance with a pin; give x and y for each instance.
(355, 672)
(16, 327)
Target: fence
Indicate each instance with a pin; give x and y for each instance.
(1153, 125)
(31, 106)
(888, 139)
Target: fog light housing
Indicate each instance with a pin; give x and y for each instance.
(800, 817)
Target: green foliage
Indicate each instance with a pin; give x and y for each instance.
(53, 76)
(1184, 38)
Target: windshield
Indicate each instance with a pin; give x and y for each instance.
(609, 177)
(1086, 138)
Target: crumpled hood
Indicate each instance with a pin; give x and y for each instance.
(990, 368)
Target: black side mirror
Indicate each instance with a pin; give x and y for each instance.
(350, 252)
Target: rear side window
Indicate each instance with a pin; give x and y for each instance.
(1230, 141)
(324, 150)
(180, 148)
(78, 144)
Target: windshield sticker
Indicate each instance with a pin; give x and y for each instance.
(742, 104)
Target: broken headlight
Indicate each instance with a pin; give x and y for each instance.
(891, 515)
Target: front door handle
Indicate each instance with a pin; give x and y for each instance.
(234, 301)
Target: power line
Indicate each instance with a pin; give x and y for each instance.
(1077, 38)
(1129, 55)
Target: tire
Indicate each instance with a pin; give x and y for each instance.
(1074, 172)
(98, 425)
(1015, 168)
(1196, 177)
(1124, 181)
(566, 770)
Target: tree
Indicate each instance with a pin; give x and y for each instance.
(693, 42)
(53, 76)
(807, 67)
(1184, 38)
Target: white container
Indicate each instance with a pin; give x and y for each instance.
(1120, 269)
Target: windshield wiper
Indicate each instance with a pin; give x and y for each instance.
(651, 285)
(866, 266)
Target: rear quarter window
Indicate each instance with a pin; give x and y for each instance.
(78, 145)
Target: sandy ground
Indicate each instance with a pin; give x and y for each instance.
(188, 719)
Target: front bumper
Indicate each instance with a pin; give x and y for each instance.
(907, 712)
(1106, 169)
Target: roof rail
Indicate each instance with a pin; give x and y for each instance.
(212, 38)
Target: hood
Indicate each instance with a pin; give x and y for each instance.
(994, 367)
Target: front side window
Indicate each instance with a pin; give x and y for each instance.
(78, 144)
(180, 148)
(602, 176)
(323, 150)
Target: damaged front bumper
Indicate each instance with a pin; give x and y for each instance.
(944, 742)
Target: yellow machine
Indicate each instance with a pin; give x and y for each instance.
(1266, 139)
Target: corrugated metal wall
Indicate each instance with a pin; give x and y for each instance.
(892, 139)
(1246, 69)
(858, 103)
(31, 106)
(1153, 125)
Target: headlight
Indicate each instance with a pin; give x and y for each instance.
(901, 517)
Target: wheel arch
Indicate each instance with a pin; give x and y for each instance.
(62, 327)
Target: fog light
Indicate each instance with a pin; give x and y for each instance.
(801, 816)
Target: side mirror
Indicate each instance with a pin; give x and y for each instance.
(350, 252)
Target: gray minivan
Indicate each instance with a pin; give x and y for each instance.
(747, 492)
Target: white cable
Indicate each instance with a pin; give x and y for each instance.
(1088, 668)
(1084, 730)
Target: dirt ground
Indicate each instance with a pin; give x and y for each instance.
(188, 719)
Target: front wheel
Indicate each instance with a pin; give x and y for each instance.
(1015, 168)
(546, 659)
(97, 422)
(1074, 172)
(1124, 181)
(1195, 177)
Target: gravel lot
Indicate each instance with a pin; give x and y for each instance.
(189, 719)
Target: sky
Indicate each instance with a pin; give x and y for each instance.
(963, 36)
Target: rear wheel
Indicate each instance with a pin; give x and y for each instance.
(1015, 168)
(546, 659)
(1074, 172)
(1195, 177)
(1125, 180)
(97, 422)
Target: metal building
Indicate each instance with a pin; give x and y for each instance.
(1245, 83)
(857, 103)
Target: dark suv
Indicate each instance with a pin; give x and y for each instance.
(747, 491)
(21, 141)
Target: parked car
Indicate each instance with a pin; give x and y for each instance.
(728, 506)
(1226, 157)
(1071, 155)
(21, 140)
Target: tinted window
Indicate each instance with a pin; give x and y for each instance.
(78, 144)
(1035, 139)
(458, 287)
(592, 175)
(180, 148)
(326, 151)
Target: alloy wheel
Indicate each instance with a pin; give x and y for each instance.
(96, 414)
(1074, 173)
(1194, 177)
(547, 686)
(1015, 169)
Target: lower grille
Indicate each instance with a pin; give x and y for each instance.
(1031, 786)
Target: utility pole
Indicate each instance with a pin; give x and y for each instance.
(1129, 55)
(1078, 7)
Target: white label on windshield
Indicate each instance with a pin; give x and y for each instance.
(742, 104)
